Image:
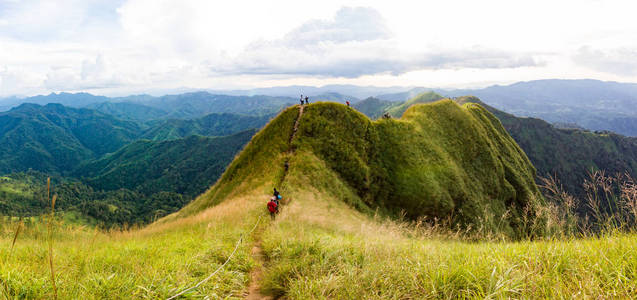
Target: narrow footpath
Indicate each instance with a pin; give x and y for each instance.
(256, 276)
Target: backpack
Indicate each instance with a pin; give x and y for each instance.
(272, 206)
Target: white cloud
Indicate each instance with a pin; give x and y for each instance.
(349, 24)
(621, 61)
(354, 43)
(143, 45)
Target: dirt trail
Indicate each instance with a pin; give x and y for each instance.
(296, 124)
(254, 290)
(256, 276)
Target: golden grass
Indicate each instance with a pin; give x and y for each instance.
(319, 248)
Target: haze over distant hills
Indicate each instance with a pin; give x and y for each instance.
(591, 104)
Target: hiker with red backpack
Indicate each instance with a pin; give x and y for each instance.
(273, 204)
(273, 207)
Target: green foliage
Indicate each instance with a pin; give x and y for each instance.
(23, 195)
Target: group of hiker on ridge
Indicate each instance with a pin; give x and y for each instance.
(305, 101)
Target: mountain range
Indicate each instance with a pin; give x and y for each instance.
(103, 144)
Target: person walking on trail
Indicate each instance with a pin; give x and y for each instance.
(347, 102)
(306, 100)
(273, 207)
(301, 99)
(276, 193)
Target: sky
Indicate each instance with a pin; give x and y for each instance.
(121, 47)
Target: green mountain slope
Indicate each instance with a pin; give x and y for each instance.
(440, 160)
(129, 111)
(186, 166)
(568, 154)
(137, 184)
(425, 97)
(593, 104)
(210, 125)
(198, 104)
(373, 107)
(55, 138)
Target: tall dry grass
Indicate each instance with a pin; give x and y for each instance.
(609, 204)
(50, 235)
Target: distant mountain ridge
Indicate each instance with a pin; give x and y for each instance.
(209, 125)
(182, 106)
(592, 104)
(55, 138)
(186, 166)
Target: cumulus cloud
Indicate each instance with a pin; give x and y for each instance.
(349, 24)
(354, 43)
(93, 74)
(620, 61)
(107, 45)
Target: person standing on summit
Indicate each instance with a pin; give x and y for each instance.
(306, 100)
(301, 99)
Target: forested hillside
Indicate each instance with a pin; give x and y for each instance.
(103, 168)
(140, 182)
(55, 138)
(209, 125)
(186, 166)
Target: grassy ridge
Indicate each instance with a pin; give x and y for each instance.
(440, 160)
(260, 163)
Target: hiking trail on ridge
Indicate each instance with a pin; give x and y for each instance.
(257, 251)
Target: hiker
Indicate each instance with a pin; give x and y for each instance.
(306, 100)
(347, 102)
(276, 198)
(301, 99)
(273, 207)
